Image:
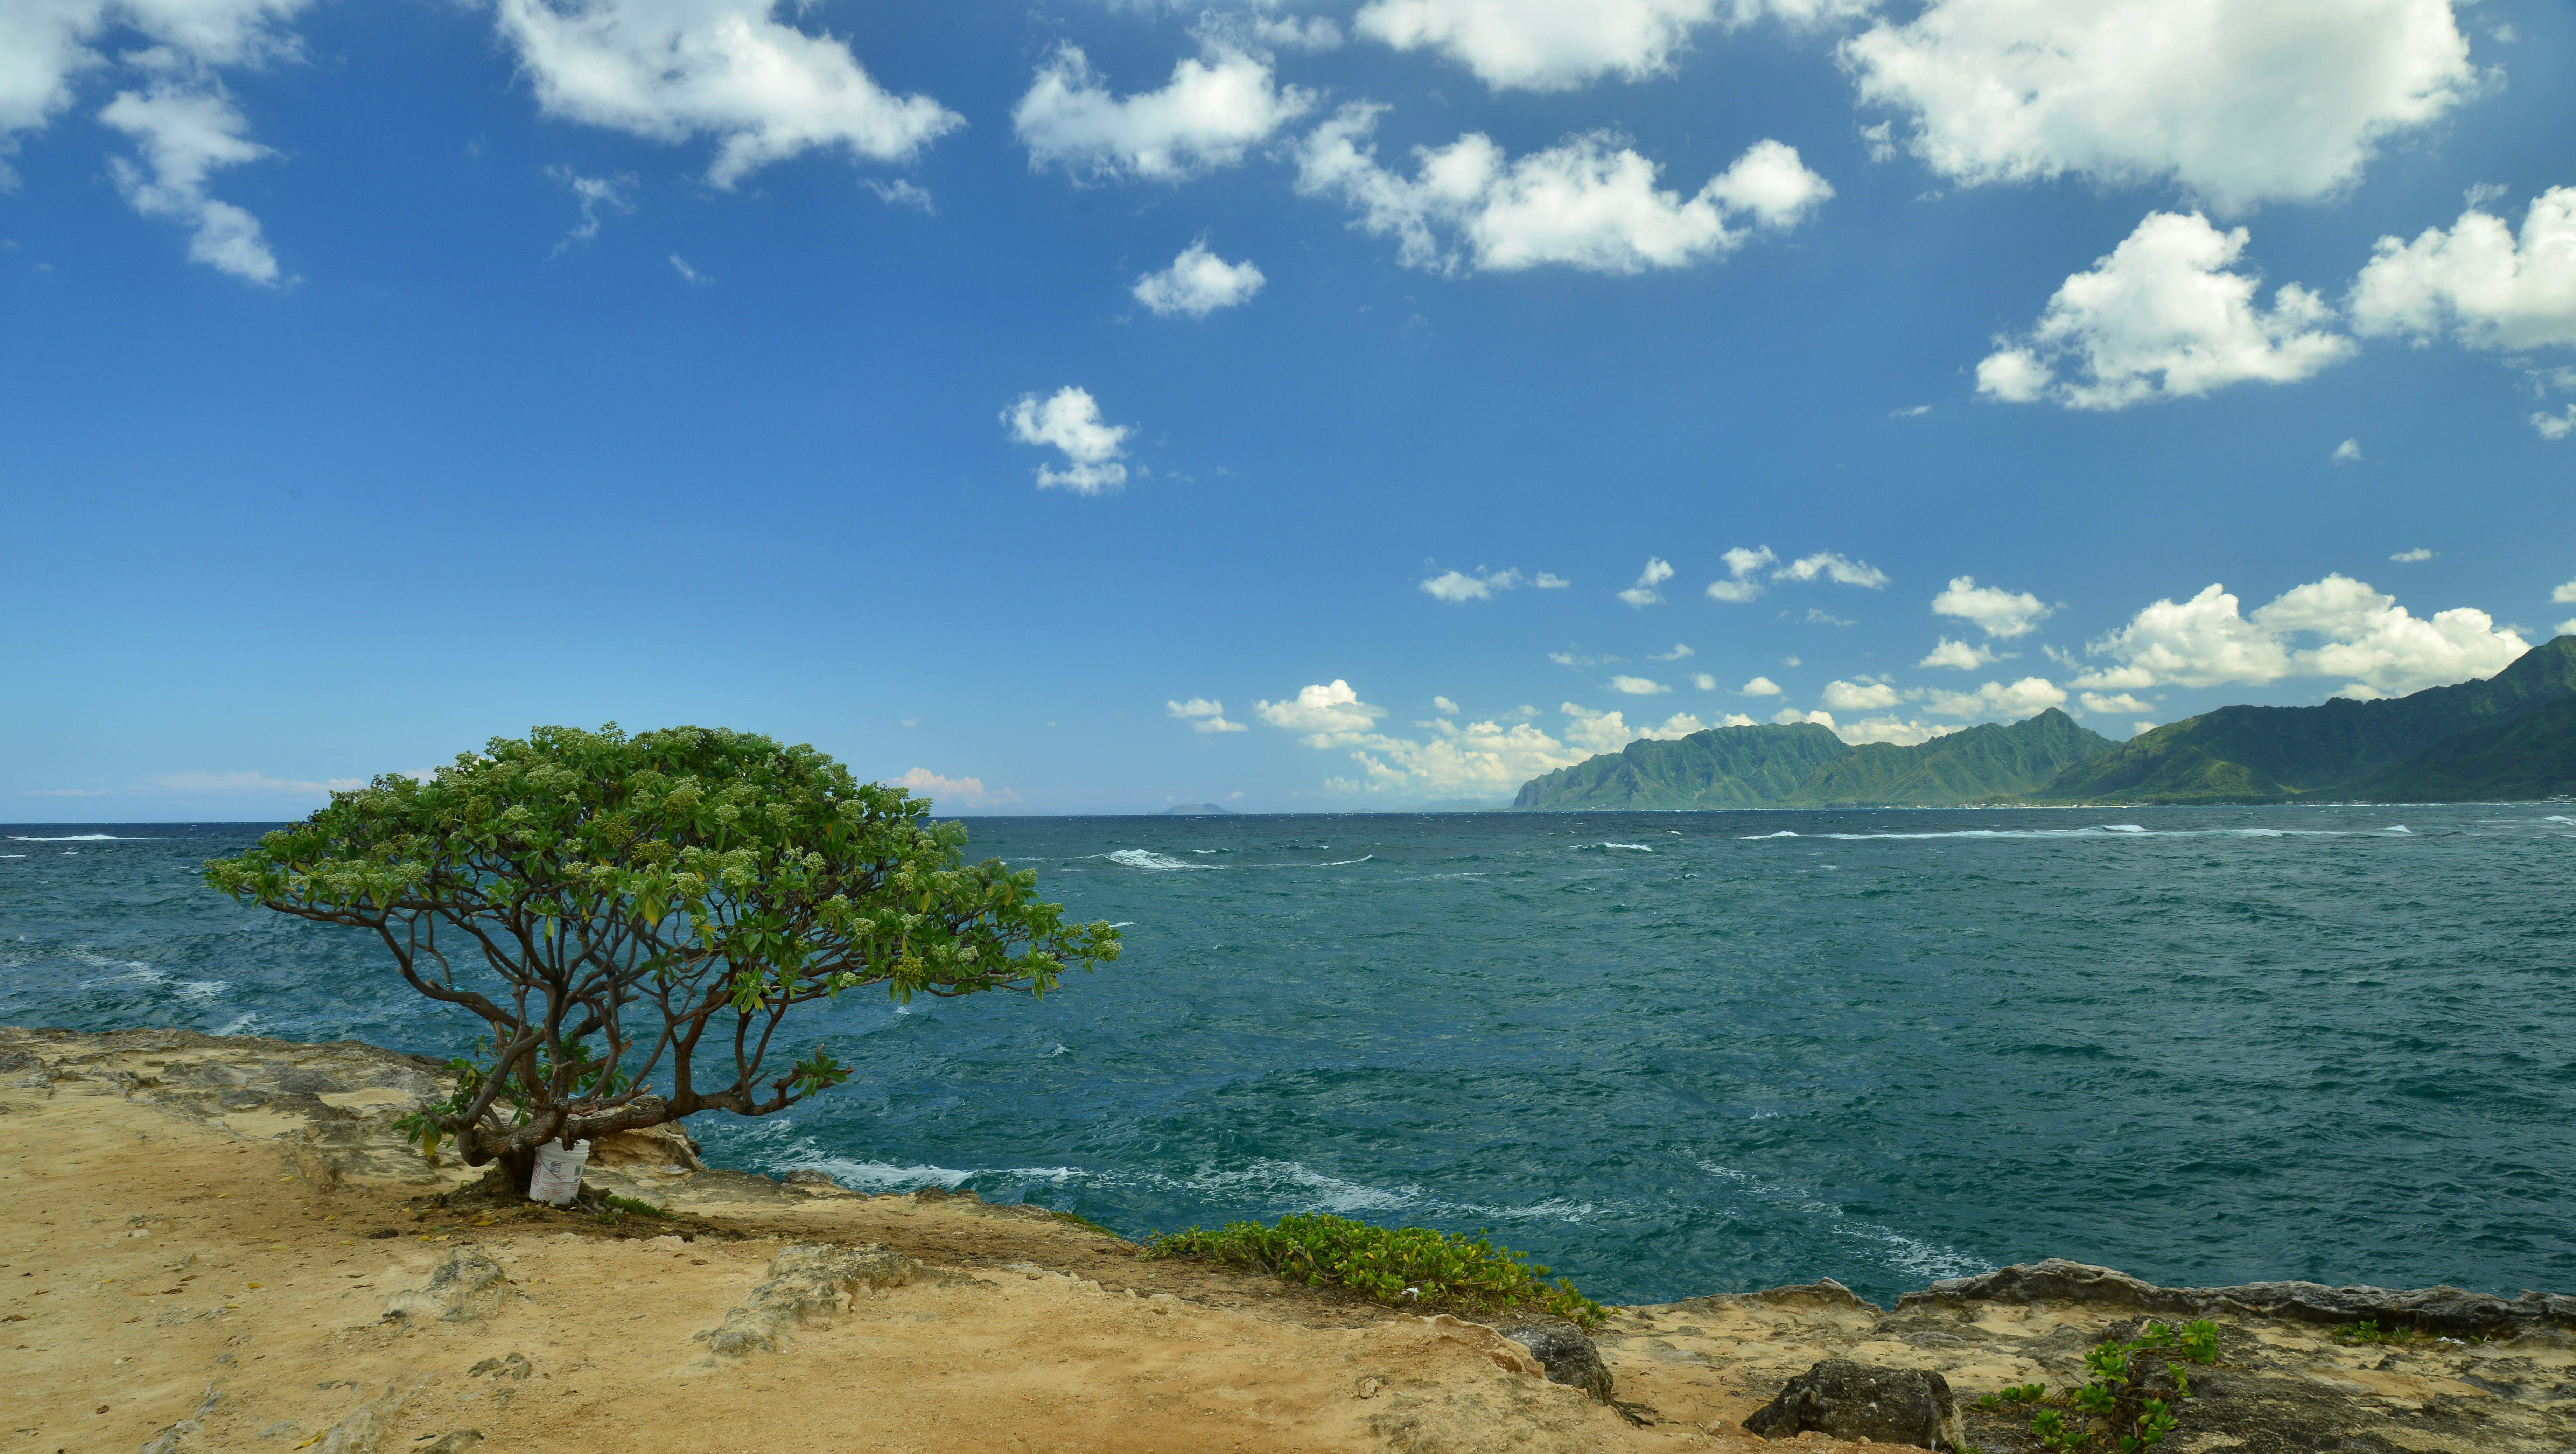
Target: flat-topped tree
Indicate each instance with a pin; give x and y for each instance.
(607, 904)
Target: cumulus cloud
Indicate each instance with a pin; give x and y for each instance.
(1070, 421)
(1958, 654)
(1476, 759)
(2564, 595)
(1198, 283)
(1704, 681)
(1555, 45)
(2336, 627)
(1322, 714)
(2411, 557)
(1457, 587)
(965, 792)
(1760, 687)
(1743, 574)
(2162, 317)
(1998, 701)
(1637, 686)
(1204, 715)
(1679, 652)
(2346, 452)
(1900, 731)
(2001, 613)
(2555, 426)
(1826, 565)
(186, 131)
(2476, 282)
(1643, 593)
(1207, 116)
(1586, 203)
(2102, 704)
(1841, 696)
(1791, 717)
(2235, 101)
(1546, 582)
(677, 70)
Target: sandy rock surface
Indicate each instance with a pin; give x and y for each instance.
(223, 1244)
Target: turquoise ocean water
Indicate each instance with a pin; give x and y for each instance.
(1667, 1053)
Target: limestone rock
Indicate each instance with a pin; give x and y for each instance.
(653, 1146)
(1563, 1349)
(2434, 1309)
(1845, 1400)
(467, 1288)
(168, 1439)
(807, 1279)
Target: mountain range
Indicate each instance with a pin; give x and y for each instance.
(2511, 736)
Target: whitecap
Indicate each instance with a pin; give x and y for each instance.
(1758, 837)
(1051, 1054)
(12, 855)
(76, 838)
(1124, 924)
(2398, 828)
(1346, 862)
(2122, 828)
(202, 989)
(2558, 818)
(239, 1024)
(1149, 860)
(1631, 847)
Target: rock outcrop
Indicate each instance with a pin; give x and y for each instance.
(1858, 1401)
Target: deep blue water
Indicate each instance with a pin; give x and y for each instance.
(1667, 1053)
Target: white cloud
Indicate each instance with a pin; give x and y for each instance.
(1207, 116)
(1456, 587)
(2361, 634)
(689, 274)
(902, 192)
(1198, 283)
(1996, 701)
(1897, 730)
(1819, 616)
(1637, 686)
(675, 70)
(2564, 595)
(1555, 45)
(1585, 203)
(1643, 593)
(2113, 704)
(2475, 282)
(1070, 421)
(1324, 714)
(1546, 582)
(1826, 565)
(1204, 715)
(2235, 101)
(187, 131)
(1760, 687)
(2555, 426)
(1958, 654)
(1915, 412)
(1443, 704)
(592, 193)
(2001, 613)
(1247, 31)
(2346, 452)
(1679, 652)
(2410, 557)
(1704, 681)
(1743, 580)
(968, 792)
(2160, 317)
(1842, 696)
(1791, 717)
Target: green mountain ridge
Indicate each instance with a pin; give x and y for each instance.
(2276, 754)
(2509, 737)
(1805, 765)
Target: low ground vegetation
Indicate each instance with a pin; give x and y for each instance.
(1401, 1267)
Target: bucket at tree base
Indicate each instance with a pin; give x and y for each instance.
(557, 1178)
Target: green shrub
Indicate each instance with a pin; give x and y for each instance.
(1402, 1267)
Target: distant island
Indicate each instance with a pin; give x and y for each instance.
(1198, 810)
(2510, 737)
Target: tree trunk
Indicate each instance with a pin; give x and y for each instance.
(511, 1171)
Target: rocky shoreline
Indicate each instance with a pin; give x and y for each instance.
(276, 1160)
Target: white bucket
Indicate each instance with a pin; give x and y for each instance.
(557, 1178)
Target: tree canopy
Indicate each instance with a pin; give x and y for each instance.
(634, 917)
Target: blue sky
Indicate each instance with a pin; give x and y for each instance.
(1084, 407)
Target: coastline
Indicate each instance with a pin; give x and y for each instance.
(225, 1237)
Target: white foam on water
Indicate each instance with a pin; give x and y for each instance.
(1758, 837)
(2122, 828)
(2399, 828)
(1051, 1054)
(202, 989)
(1910, 1255)
(77, 838)
(240, 1024)
(12, 855)
(1631, 847)
(1124, 924)
(1149, 860)
(1316, 1190)
(1346, 862)
(2558, 818)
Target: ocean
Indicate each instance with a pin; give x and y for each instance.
(1665, 1053)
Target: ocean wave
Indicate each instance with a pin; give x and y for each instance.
(1758, 837)
(2558, 818)
(78, 838)
(1149, 860)
(1902, 1253)
(2399, 828)
(2122, 828)
(1342, 862)
(1631, 847)
(202, 989)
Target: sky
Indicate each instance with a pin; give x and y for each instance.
(1088, 407)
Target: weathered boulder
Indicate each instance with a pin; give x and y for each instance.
(1845, 1400)
(2433, 1310)
(805, 1280)
(467, 1288)
(1563, 1349)
(653, 1146)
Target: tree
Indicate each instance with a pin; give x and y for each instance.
(652, 908)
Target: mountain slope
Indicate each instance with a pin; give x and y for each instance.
(1723, 767)
(2242, 754)
(1964, 767)
(2531, 755)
